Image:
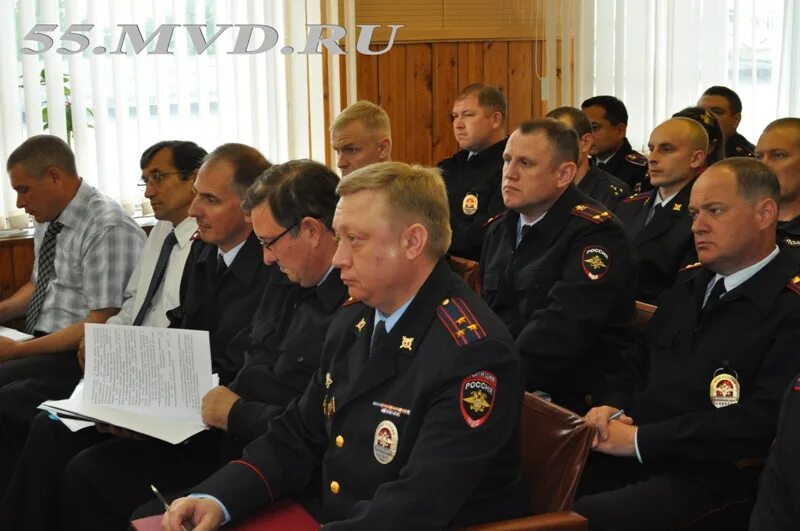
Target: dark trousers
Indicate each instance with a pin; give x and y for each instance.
(34, 491)
(105, 483)
(621, 494)
(24, 384)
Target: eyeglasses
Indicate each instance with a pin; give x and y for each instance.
(155, 178)
(268, 244)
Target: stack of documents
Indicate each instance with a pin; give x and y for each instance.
(148, 380)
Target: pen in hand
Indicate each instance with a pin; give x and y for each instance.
(161, 499)
(616, 415)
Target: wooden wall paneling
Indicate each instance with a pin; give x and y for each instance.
(445, 87)
(520, 82)
(6, 272)
(22, 255)
(367, 76)
(419, 104)
(470, 63)
(495, 65)
(537, 106)
(391, 88)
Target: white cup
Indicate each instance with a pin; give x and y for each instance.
(147, 209)
(128, 207)
(19, 220)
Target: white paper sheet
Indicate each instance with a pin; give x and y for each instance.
(16, 335)
(149, 380)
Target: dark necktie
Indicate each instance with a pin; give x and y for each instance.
(158, 276)
(378, 335)
(654, 212)
(714, 296)
(523, 232)
(221, 267)
(47, 260)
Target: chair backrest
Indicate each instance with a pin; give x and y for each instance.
(644, 312)
(555, 443)
(469, 270)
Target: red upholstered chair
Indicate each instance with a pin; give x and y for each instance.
(555, 443)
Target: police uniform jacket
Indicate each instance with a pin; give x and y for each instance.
(788, 236)
(420, 435)
(628, 165)
(286, 338)
(664, 245)
(739, 146)
(477, 179)
(751, 333)
(566, 293)
(222, 304)
(778, 505)
(604, 187)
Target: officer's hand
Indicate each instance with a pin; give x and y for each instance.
(217, 405)
(116, 431)
(199, 514)
(8, 349)
(82, 353)
(598, 416)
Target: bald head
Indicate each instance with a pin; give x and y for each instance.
(677, 150)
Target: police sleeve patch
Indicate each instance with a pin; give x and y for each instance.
(478, 392)
(595, 262)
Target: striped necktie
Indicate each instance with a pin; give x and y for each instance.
(47, 262)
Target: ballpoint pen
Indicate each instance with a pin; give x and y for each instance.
(616, 415)
(161, 499)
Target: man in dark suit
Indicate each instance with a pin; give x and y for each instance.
(221, 301)
(413, 414)
(472, 175)
(557, 268)
(726, 105)
(658, 221)
(701, 390)
(779, 148)
(291, 206)
(611, 150)
(591, 180)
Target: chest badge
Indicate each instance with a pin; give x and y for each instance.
(724, 389)
(677, 207)
(407, 342)
(328, 380)
(361, 324)
(469, 205)
(384, 446)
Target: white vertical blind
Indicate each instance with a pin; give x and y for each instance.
(122, 103)
(658, 56)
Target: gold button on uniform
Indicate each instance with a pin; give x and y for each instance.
(339, 441)
(335, 487)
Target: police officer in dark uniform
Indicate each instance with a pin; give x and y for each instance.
(472, 175)
(779, 148)
(413, 414)
(591, 180)
(726, 105)
(701, 390)
(291, 206)
(658, 221)
(611, 150)
(557, 268)
(778, 505)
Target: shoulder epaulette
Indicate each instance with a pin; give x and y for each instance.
(616, 190)
(350, 301)
(493, 219)
(690, 267)
(636, 158)
(460, 322)
(590, 213)
(744, 152)
(637, 197)
(794, 284)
